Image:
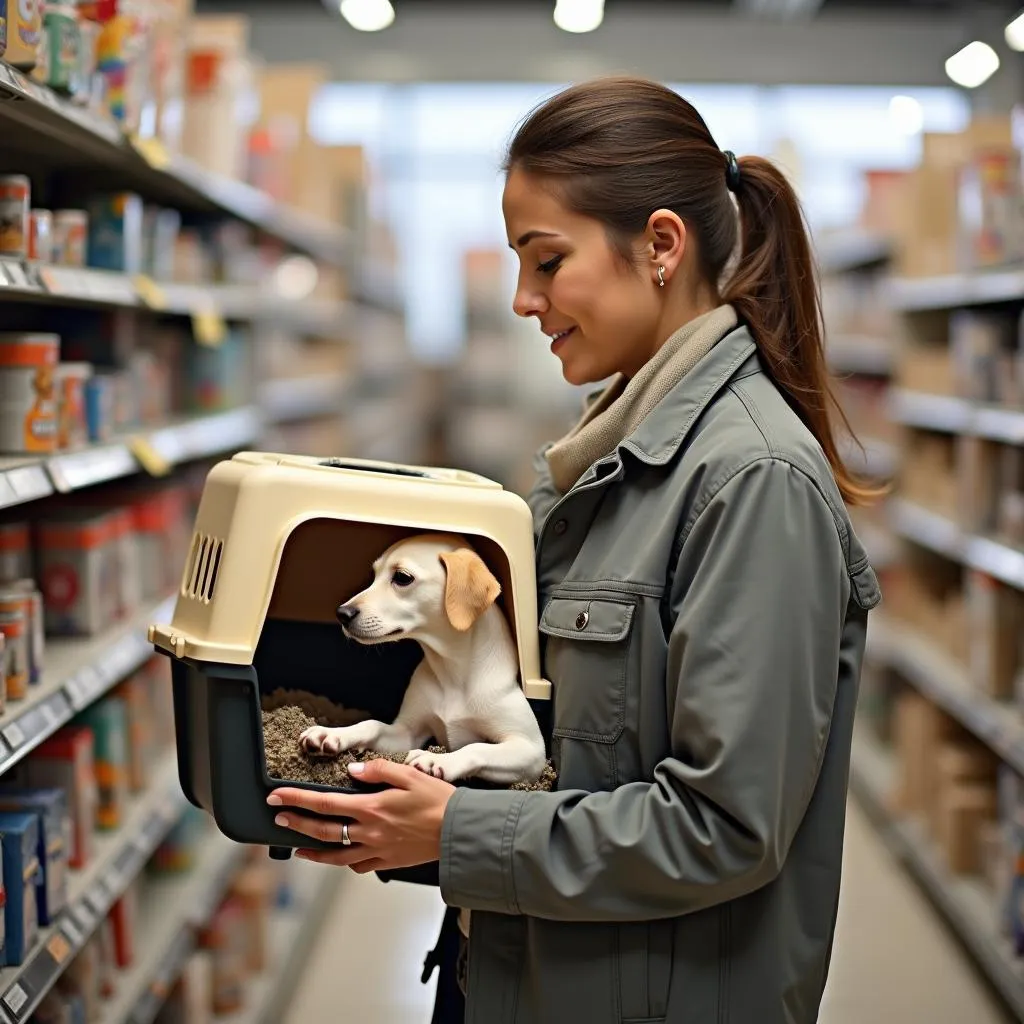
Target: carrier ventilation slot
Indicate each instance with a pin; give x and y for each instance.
(202, 568)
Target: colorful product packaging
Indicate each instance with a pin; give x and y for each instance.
(72, 423)
(28, 393)
(65, 761)
(108, 721)
(50, 806)
(77, 573)
(15, 551)
(19, 838)
(15, 201)
(115, 233)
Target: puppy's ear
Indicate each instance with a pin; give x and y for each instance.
(470, 589)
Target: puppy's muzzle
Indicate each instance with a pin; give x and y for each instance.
(346, 614)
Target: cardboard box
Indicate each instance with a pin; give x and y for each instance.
(965, 809)
(996, 623)
(920, 729)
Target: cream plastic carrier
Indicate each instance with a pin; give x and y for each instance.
(280, 541)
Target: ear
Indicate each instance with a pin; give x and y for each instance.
(470, 588)
(665, 240)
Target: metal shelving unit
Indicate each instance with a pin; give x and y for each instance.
(852, 249)
(118, 858)
(964, 901)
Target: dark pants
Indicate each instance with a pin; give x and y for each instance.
(448, 956)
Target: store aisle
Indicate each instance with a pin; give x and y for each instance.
(894, 961)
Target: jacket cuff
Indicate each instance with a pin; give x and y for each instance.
(476, 850)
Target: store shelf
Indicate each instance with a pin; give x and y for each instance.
(292, 933)
(69, 136)
(117, 860)
(301, 398)
(859, 354)
(75, 674)
(940, 534)
(950, 415)
(951, 291)
(102, 289)
(942, 680)
(852, 249)
(964, 901)
(170, 911)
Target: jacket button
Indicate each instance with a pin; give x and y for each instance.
(582, 619)
(560, 527)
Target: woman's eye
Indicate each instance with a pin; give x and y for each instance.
(401, 578)
(550, 266)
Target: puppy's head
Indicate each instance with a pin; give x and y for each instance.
(422, 587)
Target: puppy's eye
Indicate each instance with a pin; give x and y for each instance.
(401, 578)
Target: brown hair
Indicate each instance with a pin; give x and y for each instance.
(620, 148)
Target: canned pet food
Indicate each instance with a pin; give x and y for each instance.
(15, 193)
(36, 626)
(24, 30)
(70, 231)
(40, 236)
(62, 41)
(14, 626)
(99, 407)
(15, 552)
(28, 398)
(72, 428)
(86, 70)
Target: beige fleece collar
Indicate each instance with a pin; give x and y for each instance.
(624, 404)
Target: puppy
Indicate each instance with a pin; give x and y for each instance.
(465, 694)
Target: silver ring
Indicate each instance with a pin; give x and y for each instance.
(346, 839)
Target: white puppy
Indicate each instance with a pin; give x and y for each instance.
(465, 694)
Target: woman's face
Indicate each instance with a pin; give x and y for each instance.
(601, 315)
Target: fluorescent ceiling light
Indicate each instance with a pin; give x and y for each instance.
(906, 114)
(976, 63)
(368, 15)
(578, 15)
(1014, 34)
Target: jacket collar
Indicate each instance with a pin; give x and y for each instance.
(661, 434)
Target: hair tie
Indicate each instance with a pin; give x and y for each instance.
(732, 171)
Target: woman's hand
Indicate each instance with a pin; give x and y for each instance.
(396, 828)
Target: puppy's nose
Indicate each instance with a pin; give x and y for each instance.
(346, 614)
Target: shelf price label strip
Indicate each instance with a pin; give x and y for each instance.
(76, 924)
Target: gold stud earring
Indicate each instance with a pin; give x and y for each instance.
(661, 277)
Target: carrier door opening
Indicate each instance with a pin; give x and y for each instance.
(302, 648)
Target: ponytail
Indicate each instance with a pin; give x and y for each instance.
(775, 292)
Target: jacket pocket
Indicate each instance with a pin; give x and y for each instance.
(644, 955)
(586, 659)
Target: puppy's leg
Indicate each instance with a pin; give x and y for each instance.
(516, 759)
(369, 735)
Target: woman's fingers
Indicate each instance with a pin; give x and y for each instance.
(352, 857)
(337, 805)
(327, 830)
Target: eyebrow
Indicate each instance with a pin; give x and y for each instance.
(529, 237)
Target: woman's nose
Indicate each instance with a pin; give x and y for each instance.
(529, 303)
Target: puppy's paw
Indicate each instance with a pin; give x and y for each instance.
(440, 766)
(321, 742)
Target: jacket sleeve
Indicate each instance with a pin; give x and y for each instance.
(759, 600)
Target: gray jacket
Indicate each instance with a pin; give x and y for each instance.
(704, 607)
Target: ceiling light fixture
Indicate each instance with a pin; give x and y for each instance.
(579, 15)
(368, 15)
(906, 114)
(975, 64)
(1014, 34)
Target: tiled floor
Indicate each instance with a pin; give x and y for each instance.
(894, 962)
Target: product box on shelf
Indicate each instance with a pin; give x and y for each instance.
(123, 916)
(107, 719)
(28, 393)
(77, 559)
(115, 233)
(19, 838)
(191, 998)
(252, 887)
(920, 729)
(997, 623)
(142, 746)
(51, 808)
(224, 937)
(81, 979)
(65, 761)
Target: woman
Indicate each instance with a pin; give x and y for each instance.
(704, 602)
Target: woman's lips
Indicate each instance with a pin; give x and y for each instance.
(559, 341)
